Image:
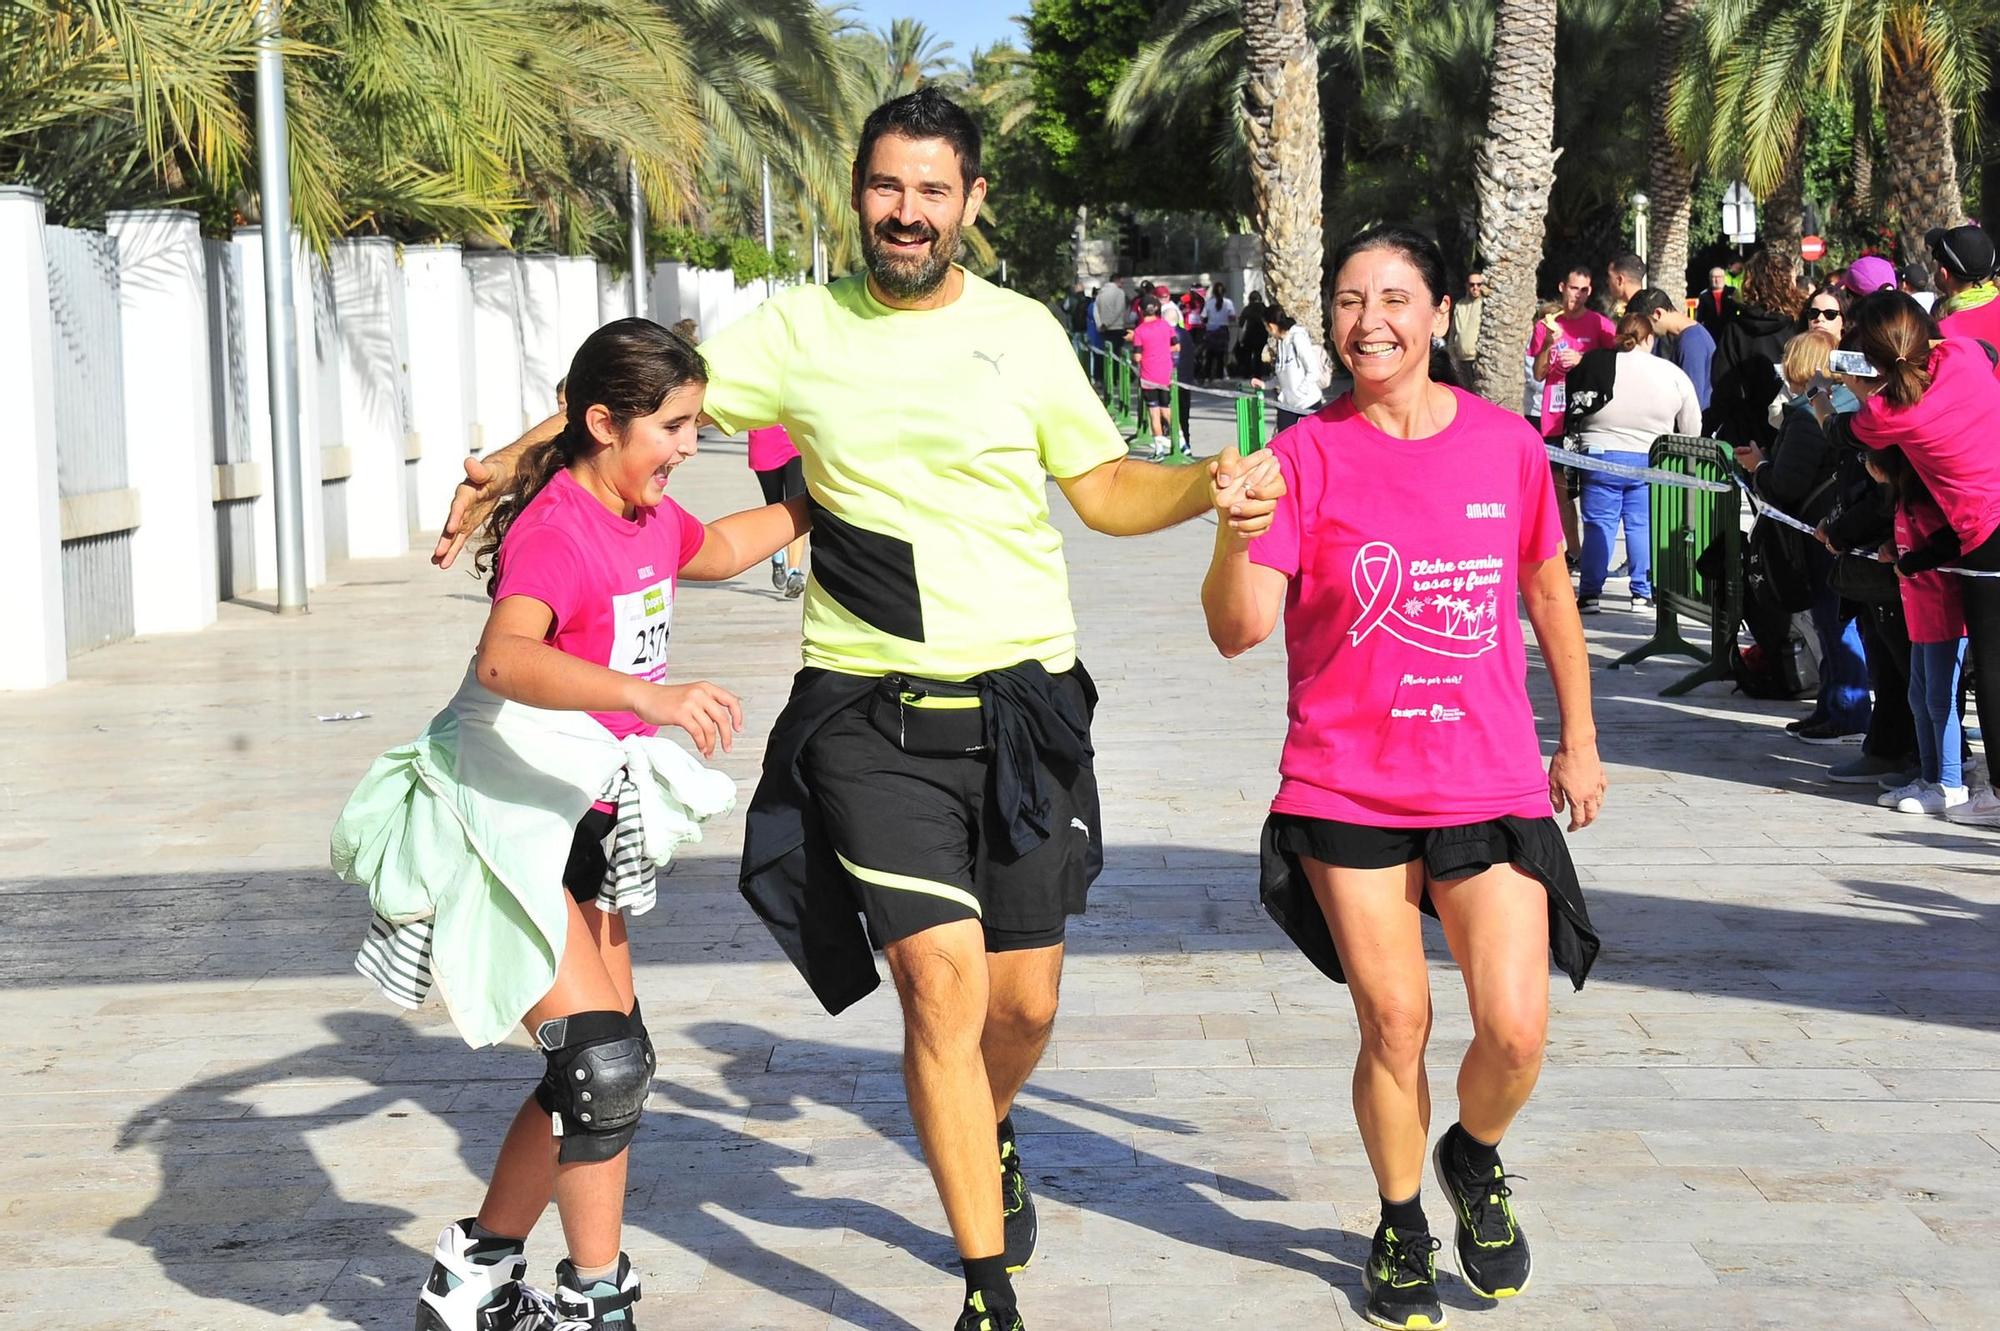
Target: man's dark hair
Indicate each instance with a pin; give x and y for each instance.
(1628, 266)
(923, 114)
(1649, 302)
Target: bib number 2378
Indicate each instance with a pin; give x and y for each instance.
(640, 628)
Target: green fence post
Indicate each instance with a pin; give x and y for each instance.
(1686, 523)
(1252, 430)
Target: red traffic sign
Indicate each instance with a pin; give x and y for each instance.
(1812, 248)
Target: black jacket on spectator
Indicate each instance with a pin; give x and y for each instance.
(1802, 463)
(1747, 351)
(1863, 515)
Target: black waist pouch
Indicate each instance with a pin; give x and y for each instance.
(929, 718)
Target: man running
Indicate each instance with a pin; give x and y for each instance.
(932, 772)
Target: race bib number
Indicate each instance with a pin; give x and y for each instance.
(1558, 400)
(640, 623)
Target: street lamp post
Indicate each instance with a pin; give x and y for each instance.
(280, 327)
(1641, 210)
(637, 241)
(770, 249)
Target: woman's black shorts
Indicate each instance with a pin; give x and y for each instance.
(584, 874)
(1157, 397)
(782, 483)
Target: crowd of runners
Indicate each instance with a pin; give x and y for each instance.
(928, 792)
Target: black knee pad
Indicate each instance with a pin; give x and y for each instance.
(599, 1071)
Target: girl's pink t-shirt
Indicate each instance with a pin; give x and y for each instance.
(771, 448)
(1409, 703)
(1586, 330)
(1933, 605)
(609, 581)
(1155, 338)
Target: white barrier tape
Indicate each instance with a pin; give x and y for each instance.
(1562, 457)
(1784, 519)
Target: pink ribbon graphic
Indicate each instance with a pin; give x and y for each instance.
(1378, 577)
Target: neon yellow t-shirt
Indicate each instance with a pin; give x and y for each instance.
(928, 437)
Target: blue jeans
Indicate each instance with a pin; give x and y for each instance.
(1843, 663)
(1608, 500)
(1934, 668)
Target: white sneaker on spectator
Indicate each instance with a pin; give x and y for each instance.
(1981, 810)
(1933, 798)
(1893, 799)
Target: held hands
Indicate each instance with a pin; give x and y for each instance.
(1749, 457)
(1245, 491)
(710, 715)
(1576, 783)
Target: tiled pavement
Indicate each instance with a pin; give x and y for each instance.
(1776, 1104)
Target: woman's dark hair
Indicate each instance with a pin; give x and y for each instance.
(1905, 486)
(1150, 306)
(1895, 334)
(1275, 315)
(923, 114)
(1421, 251)
(1768, 285)
(629, 366)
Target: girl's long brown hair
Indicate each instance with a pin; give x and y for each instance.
(629, 366)
(1768, 285)
(1895, 334)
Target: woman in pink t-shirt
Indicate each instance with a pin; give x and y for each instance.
(587, 552)
(1413, 779)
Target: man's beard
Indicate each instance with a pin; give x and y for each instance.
(909, 277)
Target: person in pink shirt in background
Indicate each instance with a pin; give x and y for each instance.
(1416, 522)
(1558, 343)
(1156, 342)
(781, 475)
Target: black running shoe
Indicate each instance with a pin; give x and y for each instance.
(605, 1306)
(984, 1314)
(1401, 1281)
(1017, 1204)
(1492, 1251)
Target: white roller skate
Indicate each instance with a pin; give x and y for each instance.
(466, 1294)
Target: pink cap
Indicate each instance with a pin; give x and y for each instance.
(1869, 274)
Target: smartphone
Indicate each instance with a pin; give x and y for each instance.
(1854, 364)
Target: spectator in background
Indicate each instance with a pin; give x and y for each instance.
(688, 329)
(1560, 341)
(1463, 340)
(1717, 305)
(1295, 365)
(1625, 275)
(1677, 338)
(1749, 347)
(1217, 318)
(1938, 404)
(1910, 287)
(1076, 316)
(1800, 475)
(1114, 316)
(1965, 260)
(1826, 313)
(1248, 359)
(1154, 343)
(1620, 401)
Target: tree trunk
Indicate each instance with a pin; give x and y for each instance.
(1861, 176)
(1282, 126)
(1672, 178)
(1989, 174)
(1516, 171)
(1784, 209)
(1919, 158)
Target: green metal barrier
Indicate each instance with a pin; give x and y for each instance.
(1253, 427)
(1685, 523)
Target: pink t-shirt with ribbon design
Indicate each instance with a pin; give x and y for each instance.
(1408, 698)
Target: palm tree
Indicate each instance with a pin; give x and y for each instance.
(1281, 124)
(1516, 172)
(1670, 177)
(1921, 62)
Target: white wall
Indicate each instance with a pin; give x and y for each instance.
(440, 363)
(494, 283)
(170, 441)
(371, 363)
(614, 295)
(543, 360)
(32, 652)
(576, 306)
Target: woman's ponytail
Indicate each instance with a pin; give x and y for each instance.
(1895, 334)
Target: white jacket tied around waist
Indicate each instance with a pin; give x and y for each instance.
(461, 837)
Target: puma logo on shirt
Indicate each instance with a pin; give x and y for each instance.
(994, 361)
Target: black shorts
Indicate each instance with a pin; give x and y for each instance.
(1157, 397)
(584, 874)
(1358, 846)
(920, 835)
(782, 483)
